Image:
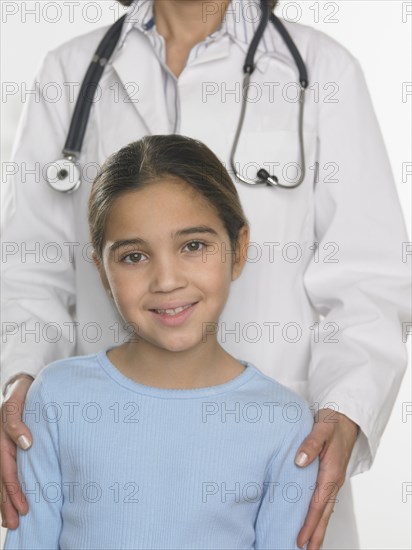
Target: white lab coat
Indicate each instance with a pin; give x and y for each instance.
(354, 359)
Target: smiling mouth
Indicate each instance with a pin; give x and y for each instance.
(173, 312)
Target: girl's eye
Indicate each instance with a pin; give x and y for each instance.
(134, 258)
(195, 246)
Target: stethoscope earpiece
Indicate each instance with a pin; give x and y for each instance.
(266, 177)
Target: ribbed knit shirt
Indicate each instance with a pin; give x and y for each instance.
(116, 464)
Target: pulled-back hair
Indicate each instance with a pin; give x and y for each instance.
(152, 158)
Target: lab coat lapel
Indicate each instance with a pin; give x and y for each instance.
(141, 76)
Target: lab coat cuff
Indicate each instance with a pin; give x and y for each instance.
(11, 370)
(366, 444)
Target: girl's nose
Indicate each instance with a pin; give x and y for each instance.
(167, 274)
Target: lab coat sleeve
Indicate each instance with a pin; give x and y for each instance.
(364, 290)
(37, 233)
(287, 492)
(40, 476)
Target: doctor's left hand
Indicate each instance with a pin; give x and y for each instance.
(333, 437)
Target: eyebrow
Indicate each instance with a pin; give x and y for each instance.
(186, 231)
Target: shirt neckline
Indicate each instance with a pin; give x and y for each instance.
(167, 393)
(240, 27)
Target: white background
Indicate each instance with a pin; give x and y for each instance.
(378, 34)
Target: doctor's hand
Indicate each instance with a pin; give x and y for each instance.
(333, 437)
(13, 432)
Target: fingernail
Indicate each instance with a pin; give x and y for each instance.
(24, 442)
(301, 459)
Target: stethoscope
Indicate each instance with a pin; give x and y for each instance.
(64, 174)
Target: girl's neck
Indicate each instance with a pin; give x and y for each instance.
(204, 366)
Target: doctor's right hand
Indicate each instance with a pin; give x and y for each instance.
(13, 432)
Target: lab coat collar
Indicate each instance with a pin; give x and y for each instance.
(149, 101)
(239, 23)
(238, 26)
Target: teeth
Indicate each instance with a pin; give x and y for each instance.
(173, 311)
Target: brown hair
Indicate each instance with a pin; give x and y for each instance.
(272, 3)
(148, 160)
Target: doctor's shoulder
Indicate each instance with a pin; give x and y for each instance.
(323, 55)
(70, 60)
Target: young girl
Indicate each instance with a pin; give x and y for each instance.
(165, 441)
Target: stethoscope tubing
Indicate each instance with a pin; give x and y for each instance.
(88, 89)
(67, 167)
(263, 177)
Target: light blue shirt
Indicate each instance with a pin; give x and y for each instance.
(120, 465)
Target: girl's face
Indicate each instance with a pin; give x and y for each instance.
(166, 248)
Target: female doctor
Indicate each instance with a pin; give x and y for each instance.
(327, 290)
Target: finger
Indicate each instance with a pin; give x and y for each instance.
(12, 423)
(9, 514)
(311, 447)
(324, 498)
(10, 488)
(318, 536)
(315, 512)
(12, 409)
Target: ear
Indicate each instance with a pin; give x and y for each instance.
(100, 268)
(241, 252)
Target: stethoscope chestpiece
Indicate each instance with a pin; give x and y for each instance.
(63, 175)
